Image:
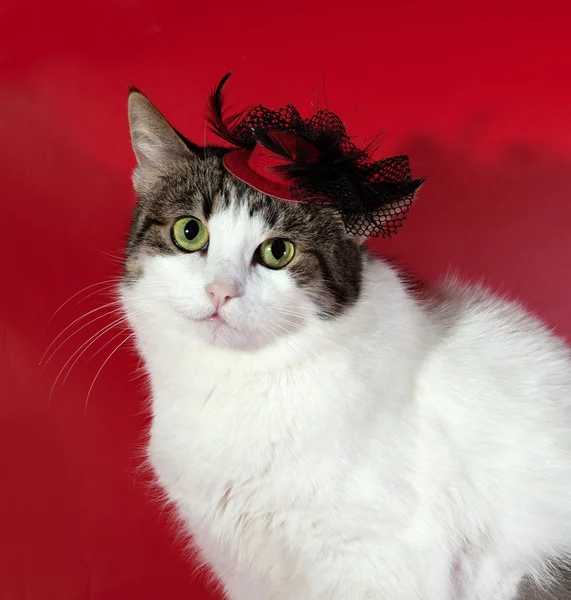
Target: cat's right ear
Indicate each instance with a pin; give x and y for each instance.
(156, 144)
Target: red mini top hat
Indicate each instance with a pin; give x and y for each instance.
(313, 160)
(265, 170)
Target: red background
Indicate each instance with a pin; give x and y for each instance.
(478, 95)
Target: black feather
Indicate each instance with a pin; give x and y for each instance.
(220, 122)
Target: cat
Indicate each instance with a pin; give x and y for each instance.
(323, 432)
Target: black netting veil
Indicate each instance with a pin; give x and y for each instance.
(373, 197)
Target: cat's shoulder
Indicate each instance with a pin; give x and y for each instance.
(483, 330)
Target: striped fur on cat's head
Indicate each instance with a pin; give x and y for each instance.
(223, 290)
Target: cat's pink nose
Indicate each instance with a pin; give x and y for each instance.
(220, 292)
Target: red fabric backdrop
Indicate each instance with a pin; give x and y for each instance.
(477, 93)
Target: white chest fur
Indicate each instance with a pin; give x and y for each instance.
(272, 470)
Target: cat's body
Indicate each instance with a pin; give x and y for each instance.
(323, 443)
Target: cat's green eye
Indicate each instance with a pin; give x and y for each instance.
(276, 253)
(190, 234)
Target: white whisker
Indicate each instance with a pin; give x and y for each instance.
(107, 282)
(96, 335)
(90, 322)
(103, 365)
(87, 344)
(105, 344)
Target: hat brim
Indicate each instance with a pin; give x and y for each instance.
(236, 163)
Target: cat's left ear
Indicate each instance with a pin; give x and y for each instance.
(388, 221)
(156, 143)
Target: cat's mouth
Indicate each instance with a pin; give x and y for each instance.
(214, 319)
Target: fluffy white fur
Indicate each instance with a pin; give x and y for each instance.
(403, 451)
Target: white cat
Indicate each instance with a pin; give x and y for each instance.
(324, 433)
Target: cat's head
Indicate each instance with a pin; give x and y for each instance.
(221, 262)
